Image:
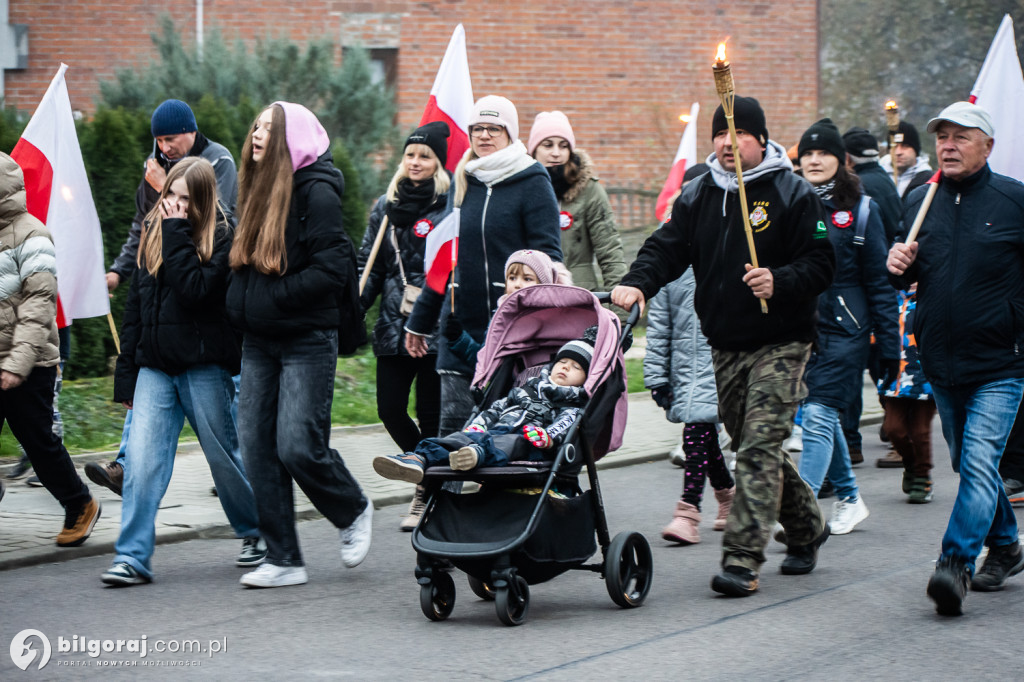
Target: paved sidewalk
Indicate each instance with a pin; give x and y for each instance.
(30, 518)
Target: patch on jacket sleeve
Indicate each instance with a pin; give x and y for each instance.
(821, 232)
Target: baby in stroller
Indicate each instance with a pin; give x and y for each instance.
(528, 424)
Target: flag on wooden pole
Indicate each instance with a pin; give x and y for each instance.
(1000, 91)
(58, 194)
(451, 97)
(686, 157)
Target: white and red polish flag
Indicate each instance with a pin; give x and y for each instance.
(58, 194)
(451, 97)
(1000, 91)
(686, 156)
(441, 251)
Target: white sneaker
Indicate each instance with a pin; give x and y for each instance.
(795, 442)
(355, 540)
(269, 575)
(847, 514)
(779, 533)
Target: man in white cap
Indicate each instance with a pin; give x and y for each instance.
(968, 262)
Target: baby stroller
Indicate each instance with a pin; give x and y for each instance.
(503, 539)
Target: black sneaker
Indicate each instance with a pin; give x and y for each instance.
(801, 559)
(948, 586)
(254, 551)
(122, 574)
(735, 581)
(34, 481)
(1001, 563)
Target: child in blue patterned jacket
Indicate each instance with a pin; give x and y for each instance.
(528, 424)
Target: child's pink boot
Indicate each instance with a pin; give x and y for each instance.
(724, 498)
(683, 527)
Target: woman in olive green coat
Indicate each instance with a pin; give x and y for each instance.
(591, 245)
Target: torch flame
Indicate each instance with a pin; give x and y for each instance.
(720, 56)
(685, 118)
(891, 104)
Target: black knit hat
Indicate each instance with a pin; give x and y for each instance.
(823, 135)
(747, 114)
(906, 134)
(859, 142)
(172, 117)
(435, 135)
(581, 350)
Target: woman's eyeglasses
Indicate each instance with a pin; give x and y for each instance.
(492, 131)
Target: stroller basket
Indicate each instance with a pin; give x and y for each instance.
(563, 537)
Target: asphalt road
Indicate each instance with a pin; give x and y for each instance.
(862, 615)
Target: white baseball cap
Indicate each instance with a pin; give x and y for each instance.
(964, 114)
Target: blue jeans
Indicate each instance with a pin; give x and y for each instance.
(976, 422)
(126, 429)
(498, 447)
(284, 425)
(825, 451)
(201, 394)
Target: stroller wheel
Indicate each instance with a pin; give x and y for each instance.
(628, 569)
(437, 598)
(481, 589)
(512, 600)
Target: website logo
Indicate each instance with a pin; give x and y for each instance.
(23, 653)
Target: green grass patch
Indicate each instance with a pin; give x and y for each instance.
(93, 422)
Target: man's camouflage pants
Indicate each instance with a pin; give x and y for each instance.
(758, 394)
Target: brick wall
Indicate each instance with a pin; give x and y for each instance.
(623, 70)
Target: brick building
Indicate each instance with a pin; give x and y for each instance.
(623, 70)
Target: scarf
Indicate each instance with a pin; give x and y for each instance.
(500, 165)
(826, 190)
(558, 181)
(411, 202)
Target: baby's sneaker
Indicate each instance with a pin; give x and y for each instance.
(465, 458)
(407, 466)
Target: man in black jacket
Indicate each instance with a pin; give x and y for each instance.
(968, 261)
(759, 358)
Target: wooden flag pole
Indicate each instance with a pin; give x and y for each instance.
(925, 205)
(113, 332)
(373, 254)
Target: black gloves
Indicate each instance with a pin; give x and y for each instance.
(452, 329)
(662, 396)
(890, 372)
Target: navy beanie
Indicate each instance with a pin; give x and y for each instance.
(173, 117)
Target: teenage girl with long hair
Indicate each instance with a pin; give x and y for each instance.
(284, 295)
(177, 358)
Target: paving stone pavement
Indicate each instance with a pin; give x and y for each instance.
(30, 518)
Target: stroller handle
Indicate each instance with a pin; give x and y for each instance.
(634, 311)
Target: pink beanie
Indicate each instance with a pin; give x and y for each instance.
(547, 271)
(495, 110)
(550, 124)
(305, 137)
